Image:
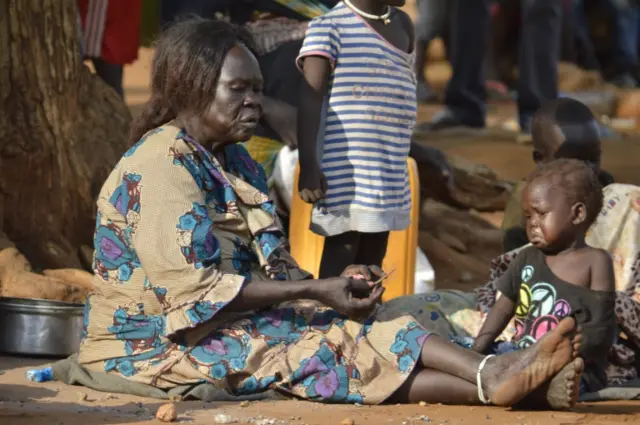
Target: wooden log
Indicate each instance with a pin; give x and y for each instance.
(74, 277)
(62, 130)
(478, 187)
(19, 281)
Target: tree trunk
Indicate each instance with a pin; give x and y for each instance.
(61, 132)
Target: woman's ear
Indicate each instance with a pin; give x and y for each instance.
(578, 213)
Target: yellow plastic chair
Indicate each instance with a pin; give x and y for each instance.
(306, 246)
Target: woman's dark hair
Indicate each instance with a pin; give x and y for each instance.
(186, 67)
(577, 180)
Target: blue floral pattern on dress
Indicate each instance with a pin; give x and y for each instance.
(222, 353)
(326, 376)
(127, 196)
(203, 310)
(252, 385)
(408, 346)
(206, 171)
(141, 334)
(243, 259)
(85, 319)
(277, 326)
(195, 237)
(240, 163)
(207, 174)
(114, 260)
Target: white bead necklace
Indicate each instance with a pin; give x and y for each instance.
(384, 17)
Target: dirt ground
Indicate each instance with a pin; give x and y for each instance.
(26, 403)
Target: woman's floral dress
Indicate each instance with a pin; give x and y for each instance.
(176, 238)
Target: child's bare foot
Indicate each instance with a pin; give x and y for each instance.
(509, 378)
(559, 393)
(564, 388)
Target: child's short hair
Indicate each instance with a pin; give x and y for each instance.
(565, 120)
(578, 180)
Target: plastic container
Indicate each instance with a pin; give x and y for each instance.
(306, 246)
(40, 375)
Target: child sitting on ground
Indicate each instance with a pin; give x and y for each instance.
(559, 275)
(562, 128)
(356, 116)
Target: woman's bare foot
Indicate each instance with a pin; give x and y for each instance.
(507, 379)
(559, 393)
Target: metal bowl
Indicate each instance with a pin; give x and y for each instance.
(40, 327)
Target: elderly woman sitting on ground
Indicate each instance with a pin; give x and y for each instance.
(194, 283)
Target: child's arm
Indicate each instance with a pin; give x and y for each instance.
(497, 319)
(318, 56)
(602, 276)
(508, 287)
(599, 325)
(311, 183)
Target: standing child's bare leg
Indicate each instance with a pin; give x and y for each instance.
(372, 249)
(339, 252)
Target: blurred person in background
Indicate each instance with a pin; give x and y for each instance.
(431, 23)
(111, 37)
(626, 15)
(539, 51)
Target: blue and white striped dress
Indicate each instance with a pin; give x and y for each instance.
(368, 118)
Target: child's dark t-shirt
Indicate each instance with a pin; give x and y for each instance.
(542, 300)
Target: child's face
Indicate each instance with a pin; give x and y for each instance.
(549, 143)
(552, 222)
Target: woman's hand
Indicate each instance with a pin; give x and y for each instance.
(348, 296)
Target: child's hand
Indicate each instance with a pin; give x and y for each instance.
(312, 184)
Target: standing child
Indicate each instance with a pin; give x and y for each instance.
(357, 112)
(559, 275)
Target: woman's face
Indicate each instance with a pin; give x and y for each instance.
(237, 106)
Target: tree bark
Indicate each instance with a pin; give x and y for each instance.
(61, 132)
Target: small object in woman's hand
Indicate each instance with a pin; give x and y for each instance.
(372, 285)
(383, 277)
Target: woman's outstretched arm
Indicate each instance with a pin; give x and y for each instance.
(346, 295)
